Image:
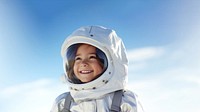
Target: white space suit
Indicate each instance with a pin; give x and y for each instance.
(96, 96)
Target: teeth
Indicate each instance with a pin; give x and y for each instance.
(85, 71)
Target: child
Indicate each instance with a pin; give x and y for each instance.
(96, 65)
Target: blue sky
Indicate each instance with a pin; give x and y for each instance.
(161, 37)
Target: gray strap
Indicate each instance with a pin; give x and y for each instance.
(116, 102)
(67, 104)
(115, 107)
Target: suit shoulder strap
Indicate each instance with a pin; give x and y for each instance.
(116, 102)
(68, 100)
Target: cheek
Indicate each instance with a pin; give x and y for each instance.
(75, 68)
(98, 68)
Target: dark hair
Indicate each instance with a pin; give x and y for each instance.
(71, 53)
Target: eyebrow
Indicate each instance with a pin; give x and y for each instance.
(89, 54)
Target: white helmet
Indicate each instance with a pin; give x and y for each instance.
(113, 53)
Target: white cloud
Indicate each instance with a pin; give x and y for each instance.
(143, 54)
(36, 96)
(165, 92)
(173, 83)
(138, 57)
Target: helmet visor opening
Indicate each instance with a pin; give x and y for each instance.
(71, 54)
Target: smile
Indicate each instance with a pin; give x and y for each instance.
(86, 71)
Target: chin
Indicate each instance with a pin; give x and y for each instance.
(85, 81)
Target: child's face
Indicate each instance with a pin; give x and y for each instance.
(87, 66)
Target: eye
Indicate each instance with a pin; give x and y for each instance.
(77, 58)
(93, 57)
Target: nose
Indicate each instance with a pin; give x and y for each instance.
(84, 63)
